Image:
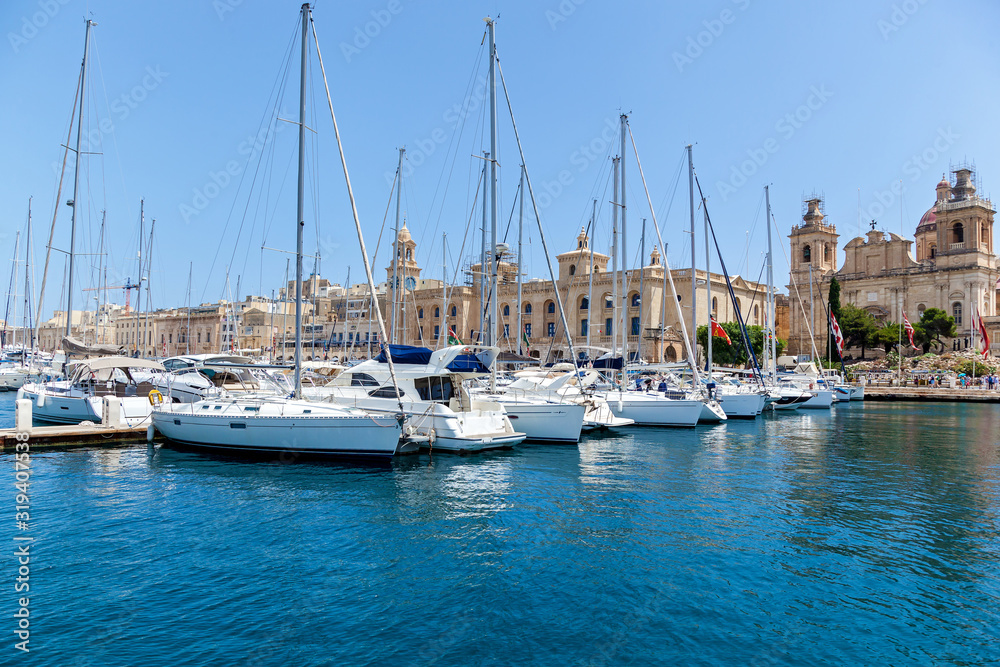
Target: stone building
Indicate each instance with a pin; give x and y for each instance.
(955, 268)
(457, 307)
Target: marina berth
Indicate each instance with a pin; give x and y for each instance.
(432, 395)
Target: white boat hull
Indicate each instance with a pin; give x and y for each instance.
(549, 422)
(823, 400)
(650, 410)
(744, 405)
(278, 426)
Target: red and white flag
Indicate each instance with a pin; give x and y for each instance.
(909, 329)
(986, 337)
(717, 330)
(837, 335)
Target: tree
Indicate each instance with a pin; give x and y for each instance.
(936, 324)
(887, 336)
(857, 326)
(734, 354)
(834, 298)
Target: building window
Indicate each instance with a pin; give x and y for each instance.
(920, 310)
(715, 304)
(506, 310)
(208, 337)
(608, 302)
(437, 312)
(454, 311)
(933, 251)
(806, 254)
(607, 327)
(635, 326)
(756, 315)
(527, 329)
(551, 307)
(572, 269)
(199, 336)
(552, 329)
(636, 300)
(437, 331)
(527, 309)
(420, 314)
(584, 303)
(958, 233)
(956, 311)
(583, 327)
(826, 252)
(506, 331)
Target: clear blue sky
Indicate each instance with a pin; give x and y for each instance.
(827, 97)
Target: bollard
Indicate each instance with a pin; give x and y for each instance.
(111, 415)
(22, 415)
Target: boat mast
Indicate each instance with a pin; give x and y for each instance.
(492, 340)
(26, 313)
(624, 252)
(520, 267)
(284, 312)
(590, 283)
(138, 290)
(147, 339)
(483, 271)
(187, 333)
(708, 293)
(395, 249)
(694, 264)
(76, 181)
(300, 202)
(614, 258)
(442, 323)
(642, 280)
(770, 349)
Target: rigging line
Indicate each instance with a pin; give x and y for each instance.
(385, 217)
(277, 90)
(461, 252)
(750, 232)
(511, 218)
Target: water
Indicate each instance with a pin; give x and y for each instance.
(863, 535)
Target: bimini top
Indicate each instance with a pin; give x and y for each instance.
(466, 360)
(121, 362)
(409, 355)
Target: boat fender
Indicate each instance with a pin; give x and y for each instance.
(432, 436)
(41, 399)
(155, 397)
(150, 433)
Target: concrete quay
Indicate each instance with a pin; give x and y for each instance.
(937, 394)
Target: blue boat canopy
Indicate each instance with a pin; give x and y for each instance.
(467, 363)
(617, 363)
(409, 355)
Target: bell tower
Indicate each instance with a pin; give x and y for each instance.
(813, 246)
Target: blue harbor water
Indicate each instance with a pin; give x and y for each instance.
(863, 535)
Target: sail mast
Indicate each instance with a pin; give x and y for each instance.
(694, 264)
(614, 259)
(771, 349)
(590, 278)
(395, 250)
(76, 181)
(520, 267)
(492, 340)
(300, 202)
(708, 295)
(624, 252)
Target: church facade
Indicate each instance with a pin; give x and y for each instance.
(954, 268)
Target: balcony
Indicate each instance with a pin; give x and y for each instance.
(957, 246)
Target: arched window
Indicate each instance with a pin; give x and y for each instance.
(715, 304)
(551, 307)
(635, 300)
(739, 306)
(420, 314)
(671, 354)
(756, 314)
(806, 254)
(506, 310)
(826, 252)
(608, 302)
(584, 303)
(454, 311)
(933, 251)
(956, 311)
(527, 309)
(572, 269)
(437, 312)
(920, 310)
(958, 233)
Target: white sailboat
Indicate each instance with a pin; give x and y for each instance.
(273, 424)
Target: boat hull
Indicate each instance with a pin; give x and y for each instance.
(742, 406)
(647, 410)
(546, 422)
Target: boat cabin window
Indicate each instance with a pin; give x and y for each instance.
(385, 392)
(437, 389)
(363, 380)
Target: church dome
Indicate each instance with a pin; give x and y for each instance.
(927, 222)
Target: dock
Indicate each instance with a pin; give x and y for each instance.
(935, 394)
(111, 432)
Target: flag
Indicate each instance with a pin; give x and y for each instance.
(837, 335)
(986, 337)
(524, 337)
(718, 331)
(909, 329)
(453, 337)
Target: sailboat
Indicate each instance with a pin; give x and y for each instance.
(260, 423)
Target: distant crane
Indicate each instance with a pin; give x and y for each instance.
(128, 287)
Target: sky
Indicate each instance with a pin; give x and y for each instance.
(192, 105)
